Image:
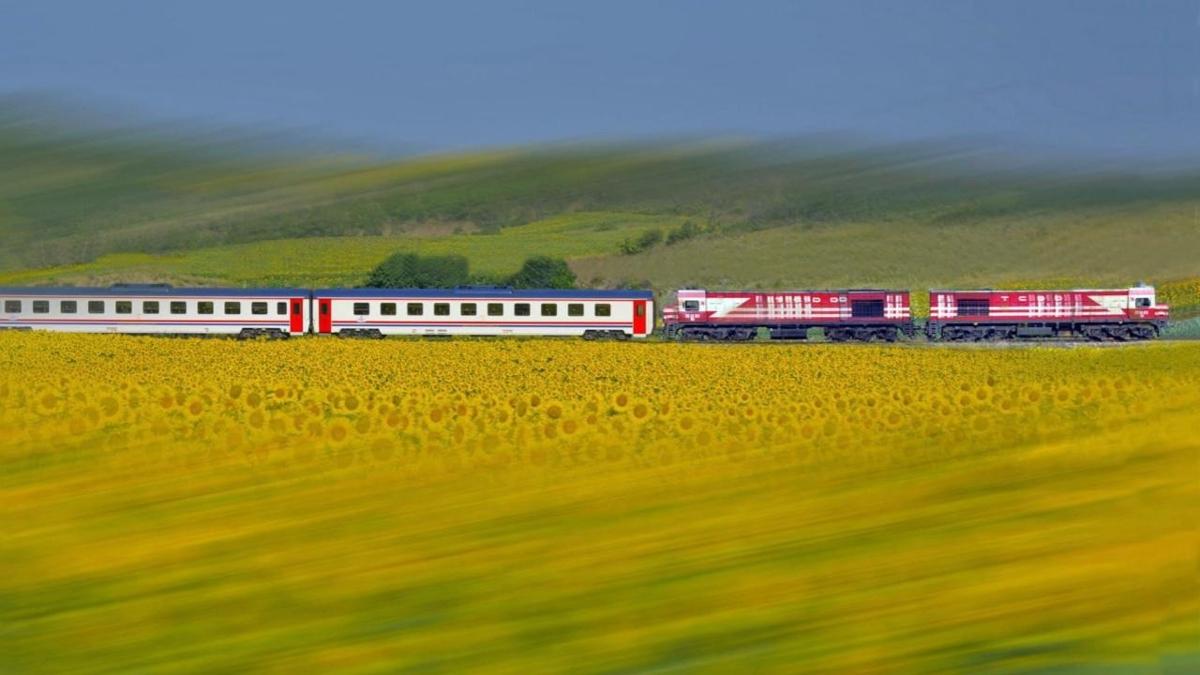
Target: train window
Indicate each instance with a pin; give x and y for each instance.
(95, 306)
(124, 307)
(495, 309)
(204, 307)
(281, 308)
(640, 309)
(441, 308)
(575, 309)
(68, 307)
(41, 306)
(325, 308)
(233, 308)
(467, 309)
(416, 308)
(691, 305)
(362, 308)
(521, 309)
(178, 307)
(258, 308)
(549, 309)
(12, 306)
(297, 308)
(872, 309)
(972, 307)
(150, 307)
(388, 309)
(603, 309)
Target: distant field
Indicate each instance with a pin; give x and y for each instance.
(346, 261)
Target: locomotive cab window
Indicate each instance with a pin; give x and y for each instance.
(41, 306)
(467, 309)
(150, 307)
(521, 309)
(362, 309)
(258, 308)
(124, 307)
(575, 309)
(603, 309)
(178, 307)
(12, 306)
(1142, 302)
(233, 308)
(95, 306)
(204, 307)
(441, 309)
(495, 309)
(549, 309)
(68, 307)
(416, 308)
(691, 305)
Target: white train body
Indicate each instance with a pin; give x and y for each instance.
(483, 311)
(154, 309)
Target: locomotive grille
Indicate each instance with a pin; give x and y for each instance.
(870, 309)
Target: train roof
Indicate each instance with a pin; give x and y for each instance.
(148, 290)
(485, 292)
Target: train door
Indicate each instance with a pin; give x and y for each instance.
(639, 317)
(296, 315)
(324, 315)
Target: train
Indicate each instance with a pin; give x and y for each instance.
(848, 315)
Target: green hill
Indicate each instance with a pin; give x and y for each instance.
(96, 207)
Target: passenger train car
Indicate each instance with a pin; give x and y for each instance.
(158, 309)
(377, 312)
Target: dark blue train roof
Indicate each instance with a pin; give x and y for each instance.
(482, 292)
(147, 290)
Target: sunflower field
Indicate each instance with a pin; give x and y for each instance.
(530, 506)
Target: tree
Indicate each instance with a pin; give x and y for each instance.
(543, 272)
(409, 270)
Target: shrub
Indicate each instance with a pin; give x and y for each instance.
(649, 239)
(409, 270)
(682, 233)
(543, 272)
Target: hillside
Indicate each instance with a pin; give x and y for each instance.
(91, 208)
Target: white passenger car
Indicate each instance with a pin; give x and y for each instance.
(158, 309)
(378, 312)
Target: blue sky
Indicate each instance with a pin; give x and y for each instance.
(1093, 77)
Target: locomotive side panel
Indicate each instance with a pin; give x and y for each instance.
(1129, 313)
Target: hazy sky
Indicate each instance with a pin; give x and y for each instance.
(1094, 75)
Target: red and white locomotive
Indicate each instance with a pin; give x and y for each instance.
(1098, 314)
(858, 314)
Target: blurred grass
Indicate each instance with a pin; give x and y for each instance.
(1072, 548)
